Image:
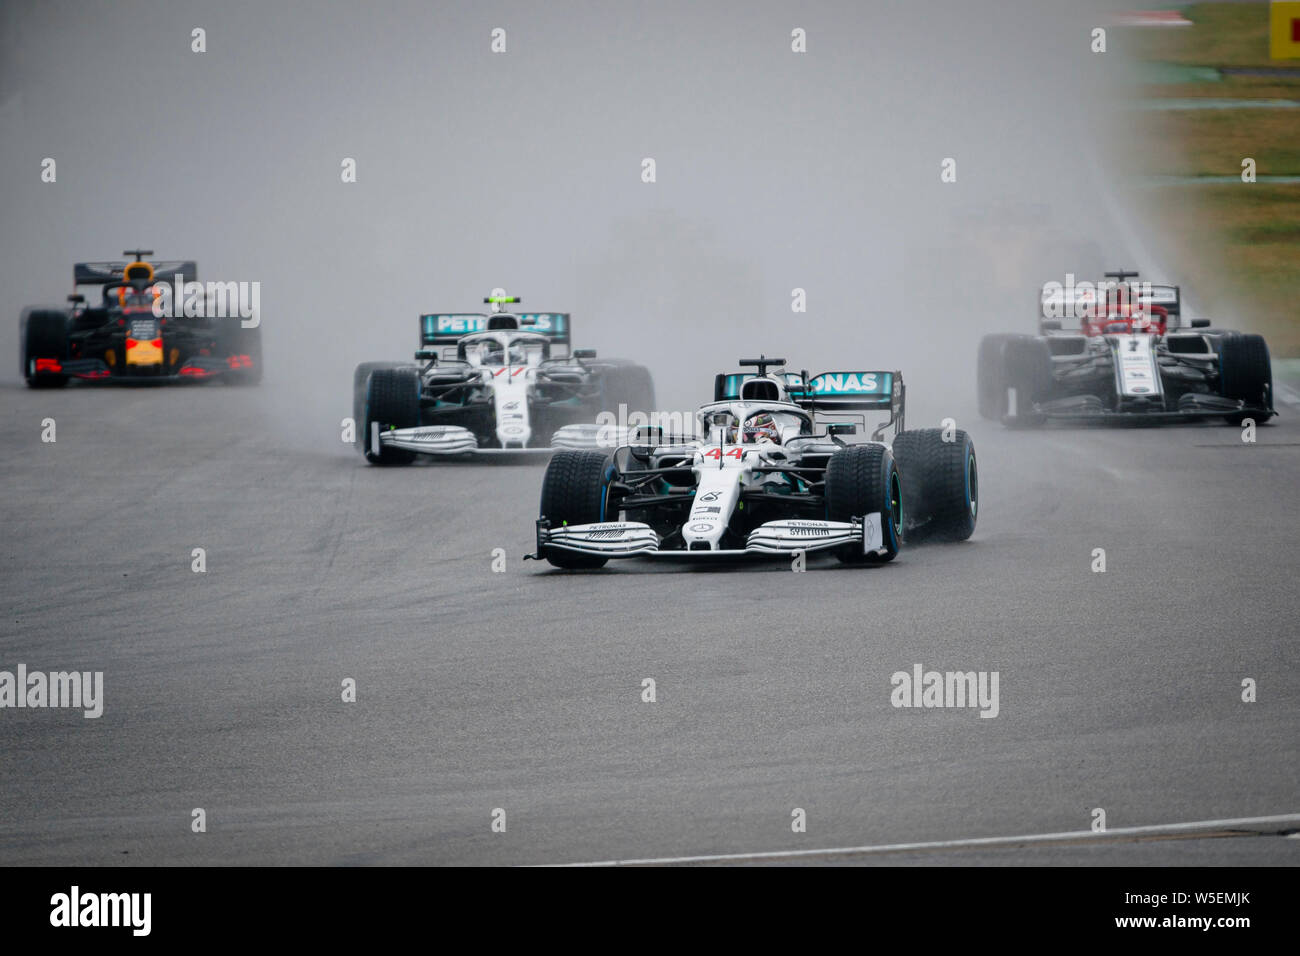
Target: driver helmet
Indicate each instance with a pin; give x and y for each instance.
(128, 296)
(762, 427)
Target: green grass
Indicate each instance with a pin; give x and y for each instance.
(1223, 34)
(1231, 88)
(1214, 142)
(1243, 238)
(1245, 241)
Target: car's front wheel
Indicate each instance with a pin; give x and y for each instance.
(862, 480)
(45, 347)
(1246, 374)
(991, 378)
(576, 491)
(392, 401)
(360, 384)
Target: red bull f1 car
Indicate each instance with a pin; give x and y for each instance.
(765, 474)
(121, 336)
(1119, 351)
(491, 383)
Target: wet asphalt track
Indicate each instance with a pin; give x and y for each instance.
(521, 689)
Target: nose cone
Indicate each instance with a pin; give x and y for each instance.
(144, 351)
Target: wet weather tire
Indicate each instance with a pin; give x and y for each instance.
(574, 492)
(44, 334)
(1027, 368)
(630, 385)
(990, 377)
(243, 349)
(360, 380)
(1246, 374)
(940, 484)
(860, 480)
(392, 401)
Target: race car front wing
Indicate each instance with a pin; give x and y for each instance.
(426, 440)
(631, 539)
(95, 369)
(1190, 407)
(455, 440)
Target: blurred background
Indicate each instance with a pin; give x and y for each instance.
(1207, 95)
(775, 170)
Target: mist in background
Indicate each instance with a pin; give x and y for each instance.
(775, 171)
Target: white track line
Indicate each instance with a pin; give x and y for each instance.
(1074, 835)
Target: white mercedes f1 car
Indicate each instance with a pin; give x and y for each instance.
(495, 383)
(766, 474)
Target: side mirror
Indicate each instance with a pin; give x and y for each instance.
(426, 355)
(527, 320)
(1050, 325)
(1200, 323)
(76, 298)
(842, 428)
(584, 353)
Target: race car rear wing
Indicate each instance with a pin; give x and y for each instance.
(447, 328)
(829, 393)
(834, 392)
(727, 386)
(1071, 302)
(1168, 297)
(107, 273)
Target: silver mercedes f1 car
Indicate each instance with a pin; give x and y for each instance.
(767, 472)
(491, 383)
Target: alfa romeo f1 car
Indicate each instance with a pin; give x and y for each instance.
(765, 474)
(121, 338)
(1130, 359)
(491, 383)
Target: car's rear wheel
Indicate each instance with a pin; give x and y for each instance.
(575, 491)
(861, 480)
(625, 383)
(1246, 374)
(940, 484)
(392, 401)
(44, 340)
(242, 348)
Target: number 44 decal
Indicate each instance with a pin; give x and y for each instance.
(717, 453)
